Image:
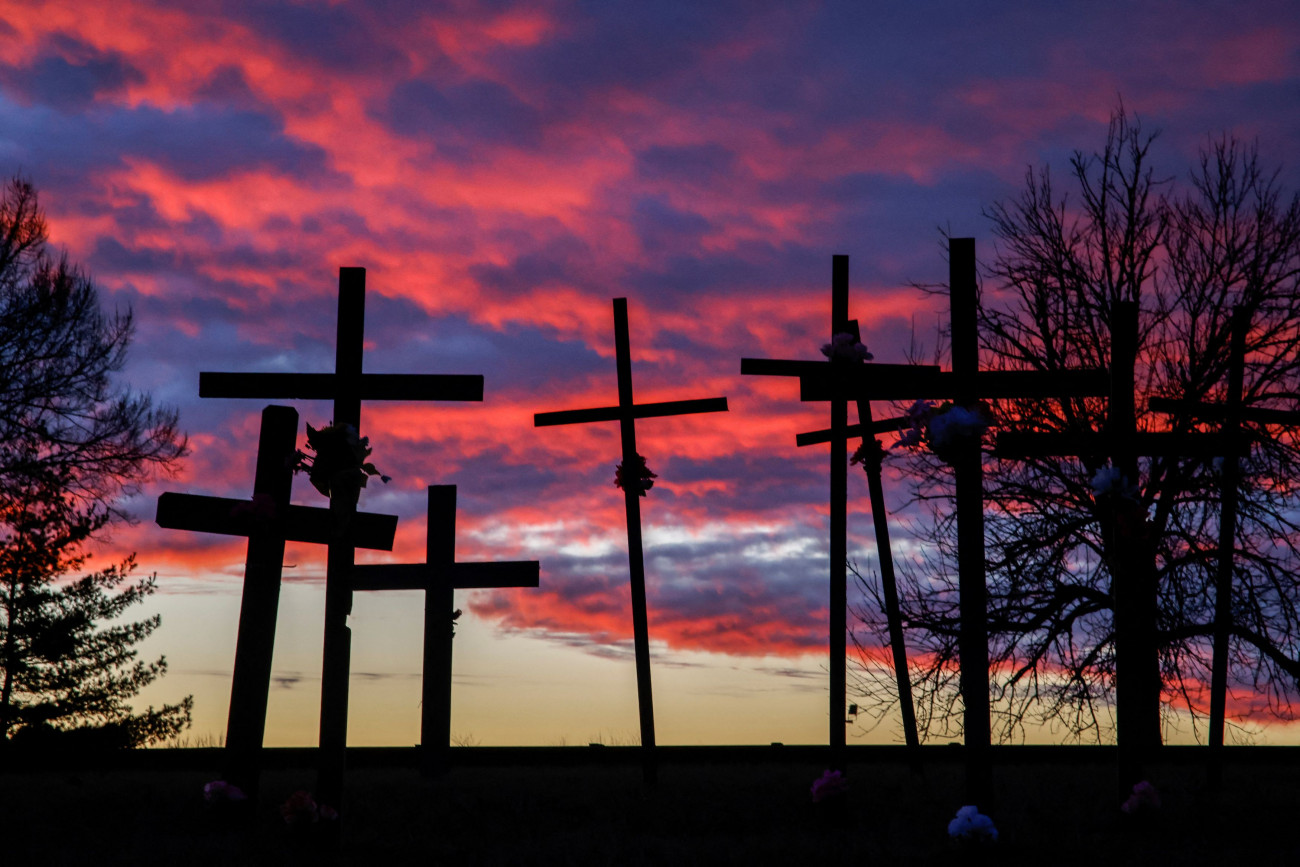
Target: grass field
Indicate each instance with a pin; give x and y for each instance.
(734, 813)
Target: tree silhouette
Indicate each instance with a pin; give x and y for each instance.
(71, 445)
(1188, 256)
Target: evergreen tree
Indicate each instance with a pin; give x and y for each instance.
(71, 444)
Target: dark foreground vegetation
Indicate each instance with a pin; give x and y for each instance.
(734, 811)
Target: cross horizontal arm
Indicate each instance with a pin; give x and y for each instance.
(800, 368)
(640, 410)
(1016, 445)
(861, 383)
(232, 517)
(392, 576)
(884, 425)
(1218, 411)
(324, 386)
(502, 573)
(465, 576)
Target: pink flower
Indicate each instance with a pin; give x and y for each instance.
(832, 784)
(219, 791)
(845, 345)
(300, 809)
(1144, 798)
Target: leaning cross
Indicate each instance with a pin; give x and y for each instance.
(872, 461)
(626, 414)
(347, 386)
(965, 385)
(1231, 414)
(268, 521)
(834, 370)
(438, 577)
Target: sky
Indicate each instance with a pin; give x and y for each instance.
(503, 170)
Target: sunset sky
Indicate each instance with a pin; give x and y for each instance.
(503, 170)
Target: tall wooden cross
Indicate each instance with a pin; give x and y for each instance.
(964, 385)
(439, 576)
(838, 436)
(268, 520)
(626, 413)
(872, 463)
(1231, 415)
(347, 386)
(1132, 560)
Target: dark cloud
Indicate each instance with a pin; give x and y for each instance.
(69, 75)
(461, 118)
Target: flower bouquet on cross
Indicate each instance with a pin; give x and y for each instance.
(943, 427)
(638, 476)
(337, 466)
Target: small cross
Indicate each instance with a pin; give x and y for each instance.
(268, 520)
(438, 576)
(626, 413)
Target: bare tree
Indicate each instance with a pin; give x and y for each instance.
(1187, 254)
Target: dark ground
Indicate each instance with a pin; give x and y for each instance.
(732, 812)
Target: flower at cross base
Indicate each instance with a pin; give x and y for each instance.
(220, 792)
(972, 826)
(640, 477)
(829, 786)
(845, 345)
(302, 809)
(1144, 799)
(338, 465)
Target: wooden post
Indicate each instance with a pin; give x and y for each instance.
(839, 553)
(250, 681)
(968, 484)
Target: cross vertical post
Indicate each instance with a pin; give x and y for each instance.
(337, 651)
(839, 556)
(635, 550)
(1227, 545)
(626, 413)
(250, 681)
(968, 484)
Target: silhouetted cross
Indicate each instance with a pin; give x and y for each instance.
(268, 520)
(965, 386)
(626, 413)
(347, 386)
(1230, 414)
(1132, 559)
(438, 577)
